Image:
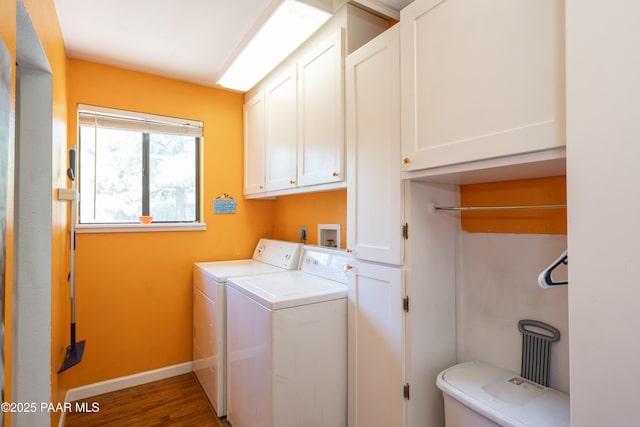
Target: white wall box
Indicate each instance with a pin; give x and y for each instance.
(480, 80)
(329, 235)
(376, 346)
(317, 68)
(374, 196)
(254, 144)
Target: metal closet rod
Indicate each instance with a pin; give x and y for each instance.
(495, 208)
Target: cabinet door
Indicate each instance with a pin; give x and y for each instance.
(374, 186)
(376, 343)
(321, 113)
(254, 144)
(282, 128)
(480, 79)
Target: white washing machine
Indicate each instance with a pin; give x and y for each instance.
(287, 345)
(209, 310)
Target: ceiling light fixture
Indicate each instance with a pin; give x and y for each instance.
(287, 28)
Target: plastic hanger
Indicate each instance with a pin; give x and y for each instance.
(545, 279)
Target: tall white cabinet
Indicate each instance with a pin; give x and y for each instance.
(402, 280)
(374, 235)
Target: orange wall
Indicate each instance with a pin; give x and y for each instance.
(310, 210)
(134, 304)
(539, 191)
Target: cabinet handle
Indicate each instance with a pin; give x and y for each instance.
(349, 251)
(406, 161)
(291, 181)
(336, 174)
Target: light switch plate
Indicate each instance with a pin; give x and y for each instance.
(67, 194)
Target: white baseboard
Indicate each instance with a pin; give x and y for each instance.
(115, 384)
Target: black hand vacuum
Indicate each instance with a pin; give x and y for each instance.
(75, 349)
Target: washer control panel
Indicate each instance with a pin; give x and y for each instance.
(279, 253)
(328, 263)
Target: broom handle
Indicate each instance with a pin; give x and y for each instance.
(72, 262)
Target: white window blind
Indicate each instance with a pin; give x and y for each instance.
(90, 115)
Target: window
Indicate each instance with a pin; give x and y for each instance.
(133, 164)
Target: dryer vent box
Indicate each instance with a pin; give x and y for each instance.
(329, 235)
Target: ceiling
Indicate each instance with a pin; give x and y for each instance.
(189, 40)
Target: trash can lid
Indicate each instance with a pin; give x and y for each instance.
(504, 396)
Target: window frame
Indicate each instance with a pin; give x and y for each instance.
(146, 124)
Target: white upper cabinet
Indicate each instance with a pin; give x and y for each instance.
(321, 112)
(304, 128)
(374, 184)
(254, 144)
(480, 80)
(282, 127)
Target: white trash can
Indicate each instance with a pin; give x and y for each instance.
(480, 395)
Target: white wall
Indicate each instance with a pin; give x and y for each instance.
(603, 176)
(496, 286)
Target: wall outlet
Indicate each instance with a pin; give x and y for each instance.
(303, 233)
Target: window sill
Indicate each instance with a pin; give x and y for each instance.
(139, 228)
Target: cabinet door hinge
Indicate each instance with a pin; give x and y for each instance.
(405, 231)
(406, 391)
(405, 304)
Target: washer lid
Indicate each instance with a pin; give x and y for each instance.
(220, 271)
(504, 396)
(288, 289)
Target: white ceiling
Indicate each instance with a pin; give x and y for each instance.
(190, 40)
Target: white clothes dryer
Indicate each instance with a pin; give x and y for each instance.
(287, 345)
(209, 310)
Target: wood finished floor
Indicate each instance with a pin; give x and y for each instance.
(178, 401)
